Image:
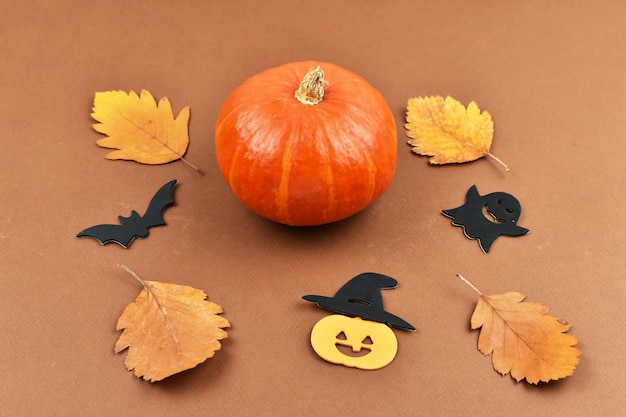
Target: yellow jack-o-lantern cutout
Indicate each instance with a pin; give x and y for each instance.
(377, 339)
(364, 325)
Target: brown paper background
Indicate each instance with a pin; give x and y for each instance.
(552, 75)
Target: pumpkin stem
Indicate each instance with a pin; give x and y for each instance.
(311, 89)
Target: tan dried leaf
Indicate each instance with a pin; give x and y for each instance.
(523, 339)
(169, 328)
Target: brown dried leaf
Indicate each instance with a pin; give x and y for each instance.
(169, 328)
(523, 339)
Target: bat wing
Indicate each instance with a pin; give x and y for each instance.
(163, 199)
(134, 225)
(107, 233)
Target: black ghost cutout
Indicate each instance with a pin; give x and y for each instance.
(504, 208)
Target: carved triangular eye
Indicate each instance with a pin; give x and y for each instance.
(342, 336)
(367, 341)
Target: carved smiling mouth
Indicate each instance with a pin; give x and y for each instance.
(490, 216)
(348, 351)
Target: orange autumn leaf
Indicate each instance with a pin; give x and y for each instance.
(168, 328)
(522, 339)
(140, 129)
(447, 131)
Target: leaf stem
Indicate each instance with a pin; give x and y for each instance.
(195, 168)
(506, 167)
(470, 284)
(130, 271)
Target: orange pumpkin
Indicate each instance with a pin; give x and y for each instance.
(306, 143)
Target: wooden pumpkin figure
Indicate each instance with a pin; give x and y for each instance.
(363, 327)
(306, 143)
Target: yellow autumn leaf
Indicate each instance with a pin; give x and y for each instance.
(447, 131)
(169, 328)
(522, 339)
(140, 129)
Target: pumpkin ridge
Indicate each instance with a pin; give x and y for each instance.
(233, 162)
(372, 177)
(282, 196)
(330, 175)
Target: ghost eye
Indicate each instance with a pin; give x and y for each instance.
(500, 201)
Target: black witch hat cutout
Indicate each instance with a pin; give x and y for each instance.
(503, 207)
(360, 297)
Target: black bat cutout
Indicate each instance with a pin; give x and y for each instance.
(134, 225)
(503, 207)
